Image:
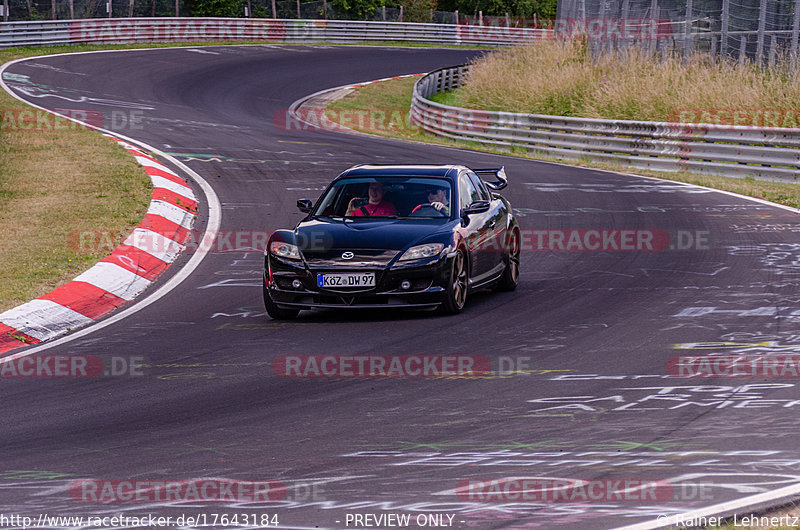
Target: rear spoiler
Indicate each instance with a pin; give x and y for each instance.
(498, 173)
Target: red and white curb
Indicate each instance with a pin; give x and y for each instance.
(117, 278)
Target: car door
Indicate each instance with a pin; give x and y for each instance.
(476, 227)
(498, 221)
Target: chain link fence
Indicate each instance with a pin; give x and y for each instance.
(761, 30)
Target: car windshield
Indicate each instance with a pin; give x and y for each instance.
(382, 197)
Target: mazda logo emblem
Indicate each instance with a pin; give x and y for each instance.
(347, 255)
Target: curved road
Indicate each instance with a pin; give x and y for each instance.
(584, 341)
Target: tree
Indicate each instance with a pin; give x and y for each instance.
(357, 9)
(498, 8)
(417, 10)
(214, 8)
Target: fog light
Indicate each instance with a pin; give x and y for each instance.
(405, 285)
(297, 284)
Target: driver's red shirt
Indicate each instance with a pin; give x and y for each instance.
(382, 208)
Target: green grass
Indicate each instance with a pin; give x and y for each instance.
(55, 184)
(396, 95)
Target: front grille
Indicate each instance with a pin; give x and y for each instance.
(362, 259)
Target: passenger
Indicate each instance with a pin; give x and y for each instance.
(375, 206)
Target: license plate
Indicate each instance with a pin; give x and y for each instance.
(355, 279)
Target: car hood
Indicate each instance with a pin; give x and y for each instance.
(372, 241)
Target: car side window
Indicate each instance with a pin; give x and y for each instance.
(478, 183)
(467, 192)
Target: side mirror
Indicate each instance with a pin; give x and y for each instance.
(476, 207)
(304, 205)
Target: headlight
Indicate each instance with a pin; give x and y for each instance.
(422, 251)
(284, 250)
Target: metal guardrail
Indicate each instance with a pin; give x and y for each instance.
(769, 153)
(133, 30)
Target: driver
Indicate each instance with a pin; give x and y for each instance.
(437, 199)
(375, 206)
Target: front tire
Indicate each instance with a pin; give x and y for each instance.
(510, 278)
(275, 312)
(456, 292)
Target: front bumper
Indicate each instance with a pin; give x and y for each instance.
(428, 285)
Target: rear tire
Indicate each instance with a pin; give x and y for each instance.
(275, 312)
(510, 278)
(456, 292)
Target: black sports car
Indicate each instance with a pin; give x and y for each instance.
(416, 236)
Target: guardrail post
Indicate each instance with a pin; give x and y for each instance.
(5, 10)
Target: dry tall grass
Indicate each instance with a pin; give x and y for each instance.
(562, 78)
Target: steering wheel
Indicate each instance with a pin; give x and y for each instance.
(427, 209)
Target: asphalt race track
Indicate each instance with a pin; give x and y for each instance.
(581, 349)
